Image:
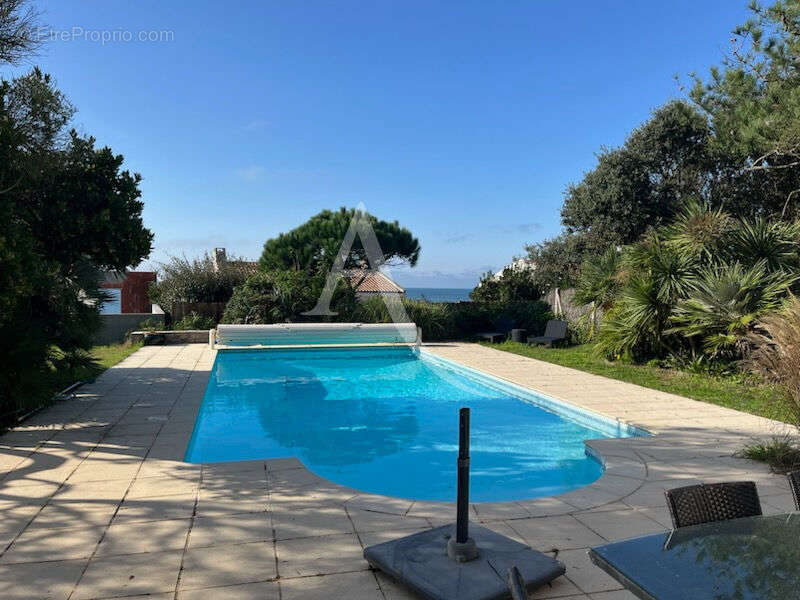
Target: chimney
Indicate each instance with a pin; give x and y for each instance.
(219, 258)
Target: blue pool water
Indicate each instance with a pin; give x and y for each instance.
(385, 421)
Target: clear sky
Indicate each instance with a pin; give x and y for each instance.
(465, 121)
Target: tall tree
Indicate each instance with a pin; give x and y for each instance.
(753, 102)
(17, 30)
(642, 184)
(68, 210)
(314, 244)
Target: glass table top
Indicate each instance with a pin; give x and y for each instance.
(741, 559)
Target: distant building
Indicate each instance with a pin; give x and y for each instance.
(517, 264)
(365, 282)
(368, 283)
(129, 291)
(249, 267)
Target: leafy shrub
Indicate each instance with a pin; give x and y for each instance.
(196, 280)
(724, 304)
(283, 296)
(150, 325)
(194, 321)
(696, 287)
(435, 319)
(443, 321)
(512, 284)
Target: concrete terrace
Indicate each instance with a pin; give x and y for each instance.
(97, 503)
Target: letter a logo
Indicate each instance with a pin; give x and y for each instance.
(359, 225)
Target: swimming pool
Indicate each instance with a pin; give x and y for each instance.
(385, 421)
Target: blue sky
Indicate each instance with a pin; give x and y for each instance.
(465, 121)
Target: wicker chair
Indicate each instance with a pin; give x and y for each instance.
(706, 503)
(794, 484)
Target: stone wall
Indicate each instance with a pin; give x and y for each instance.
(114, 327)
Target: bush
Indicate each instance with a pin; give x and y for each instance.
(196, 280)
(283, 296)
(512, 284)
(776, 353)
(194, 321)
(780, 453)
(442, 321)
(435, 319)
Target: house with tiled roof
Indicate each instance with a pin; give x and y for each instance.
(368, 283)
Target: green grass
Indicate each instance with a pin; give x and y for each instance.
(104, 356)
(739, 392)
(108, 356)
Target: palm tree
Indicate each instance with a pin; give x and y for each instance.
(699, 230)
(725, 302)
(775, 243)
(599, 284)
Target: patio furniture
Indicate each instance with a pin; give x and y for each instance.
(794, 484)
(518, 335)
(754, 558)
(502, 326)
(709, 502)
(492, 336)
(553, 332)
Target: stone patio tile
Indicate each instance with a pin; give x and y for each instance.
(368, 520)
(40, 581)
(562, 533)
(619, 524)
(498, 511)
(209, 507)
(320, 555)
(616, 595)
(593, 496)
(149, 536)
(352, 586)
(146, 487)
(103, 472)
(540, 507)
(311, 497)
(559, 588)
(163, 468)
(39, 544)
(157, 508)
(228, 565)
(112, 490)
(652, 492)
(12, 524)
(128, 575)
(66, 514)
(585, 575)
(393, 590)
(230, 529)
(325, 520)
(32, 495)
(242, 591)
(441, 511)
(783, 503)
(370, 538)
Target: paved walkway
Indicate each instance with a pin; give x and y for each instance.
(97, 503)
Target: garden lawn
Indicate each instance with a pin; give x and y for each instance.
(104, 356)
(739, 392)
